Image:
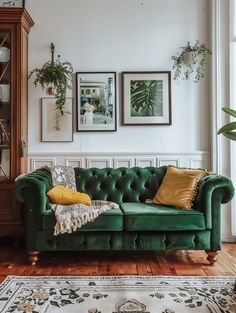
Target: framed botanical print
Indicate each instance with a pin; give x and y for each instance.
(96, 101)
(146, 98)
(12, 3)
(57, 126)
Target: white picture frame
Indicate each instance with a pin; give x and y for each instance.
(56, 127)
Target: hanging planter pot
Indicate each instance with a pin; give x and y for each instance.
(191, 59)
(51, 91)
(188, 57)
(57, 77)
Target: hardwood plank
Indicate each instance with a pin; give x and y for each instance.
(142, 268)
(13, 262)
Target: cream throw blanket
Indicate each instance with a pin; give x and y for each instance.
(72, 217)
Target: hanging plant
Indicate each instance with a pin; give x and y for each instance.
(58, 76)
(191, 59)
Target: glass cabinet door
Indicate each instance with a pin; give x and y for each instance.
(5, 103)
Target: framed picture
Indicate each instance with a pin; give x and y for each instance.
(96, 101)
(146, 98)
(12, 3)
(55, 126)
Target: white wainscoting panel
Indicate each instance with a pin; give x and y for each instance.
(168, 161)
(101, 160)
(74, 162)
(40, 162)
(123, 162)
(197, 162)
(145, 161)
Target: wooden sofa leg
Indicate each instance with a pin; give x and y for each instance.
(33, 257)
(211, 256)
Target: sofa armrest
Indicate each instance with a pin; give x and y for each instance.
(31, 190)
(214, 190)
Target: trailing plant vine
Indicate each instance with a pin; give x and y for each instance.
(57, 74)
(197, 65)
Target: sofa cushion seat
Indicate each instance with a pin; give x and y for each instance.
(143, 216)
(111, 220)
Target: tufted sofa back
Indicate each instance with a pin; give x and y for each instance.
(121, 184)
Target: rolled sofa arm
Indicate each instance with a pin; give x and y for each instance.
(31, 190)
(213, 191)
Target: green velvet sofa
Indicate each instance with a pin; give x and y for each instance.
(136, 225)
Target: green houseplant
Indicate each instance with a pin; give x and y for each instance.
(191, 59)
(229, 129)
(57, 75)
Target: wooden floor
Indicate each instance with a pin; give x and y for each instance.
(13, 262)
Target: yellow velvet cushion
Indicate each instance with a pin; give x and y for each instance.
(62, 195)
(179, 187)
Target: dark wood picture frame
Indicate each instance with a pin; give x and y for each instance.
(96, 92)
(146, 98)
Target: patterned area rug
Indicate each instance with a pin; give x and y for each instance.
(119, 294)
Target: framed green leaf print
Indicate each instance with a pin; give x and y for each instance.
(146, 98)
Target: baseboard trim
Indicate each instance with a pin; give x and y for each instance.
(227, 238)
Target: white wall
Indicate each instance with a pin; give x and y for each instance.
(135, 35)
(123, 35)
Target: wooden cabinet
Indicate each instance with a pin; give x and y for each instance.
(15, 24)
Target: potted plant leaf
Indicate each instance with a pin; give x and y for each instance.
(57, 76)
(229, 129)
(191, 59)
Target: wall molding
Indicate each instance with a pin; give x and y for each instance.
(232, 73)
(227, 238)
(216, 85)
(120, 159)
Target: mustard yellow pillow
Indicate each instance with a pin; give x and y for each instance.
(179, 187)
(62, 195)
(195, 172)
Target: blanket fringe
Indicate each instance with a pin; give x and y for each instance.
(70, 225)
